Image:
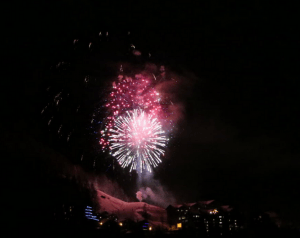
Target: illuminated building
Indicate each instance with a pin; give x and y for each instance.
(207, 217)
(89, 214)
(64, 213)
(144, 225)
(265, 220)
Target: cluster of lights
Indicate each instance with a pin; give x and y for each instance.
(215, 211)
(89, 214)
(147, 227)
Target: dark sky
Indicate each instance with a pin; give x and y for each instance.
(239, 138)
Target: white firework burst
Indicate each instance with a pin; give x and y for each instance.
(137, 139)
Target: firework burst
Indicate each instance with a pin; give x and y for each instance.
(137, 140)
(81, 107)
(128, 94)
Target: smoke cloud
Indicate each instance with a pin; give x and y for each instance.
(110, 187)
(158, 196)
(153, 192)
(139, 196)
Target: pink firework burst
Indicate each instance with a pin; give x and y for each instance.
(129, 94)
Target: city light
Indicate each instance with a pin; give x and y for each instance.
(215, 211)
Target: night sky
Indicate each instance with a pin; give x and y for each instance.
(238, 139)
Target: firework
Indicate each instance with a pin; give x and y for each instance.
(85, 107)
(137, 140)
(126, 95)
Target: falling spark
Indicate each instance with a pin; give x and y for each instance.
(154, 77)
(68, 138)
(59, 129)
(44, 109)
(50, 121)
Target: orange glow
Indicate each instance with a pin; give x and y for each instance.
(121, 224)
(179, 225)
(150, 228)
(215, 211)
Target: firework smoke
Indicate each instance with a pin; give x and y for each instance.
(139, 196)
